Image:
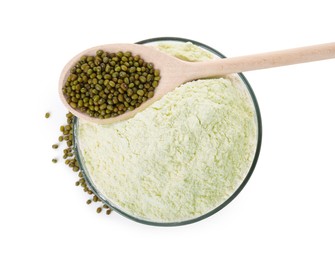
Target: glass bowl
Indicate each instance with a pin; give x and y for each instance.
(242, 78)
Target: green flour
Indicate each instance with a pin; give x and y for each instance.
(181, 157)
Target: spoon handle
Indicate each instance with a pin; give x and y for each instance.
(265, 60)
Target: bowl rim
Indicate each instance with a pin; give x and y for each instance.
(213, 211)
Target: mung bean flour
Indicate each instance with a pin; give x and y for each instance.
(181, 157)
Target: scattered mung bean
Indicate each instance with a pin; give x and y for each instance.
(71, 161)
(95, 198)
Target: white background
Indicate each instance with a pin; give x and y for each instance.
(287, 209)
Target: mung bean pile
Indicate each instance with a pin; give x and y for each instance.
(109, 84)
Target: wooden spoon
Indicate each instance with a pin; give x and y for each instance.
(175, 72)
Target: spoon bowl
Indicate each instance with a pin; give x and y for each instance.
(149, 54)
(175, 72)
